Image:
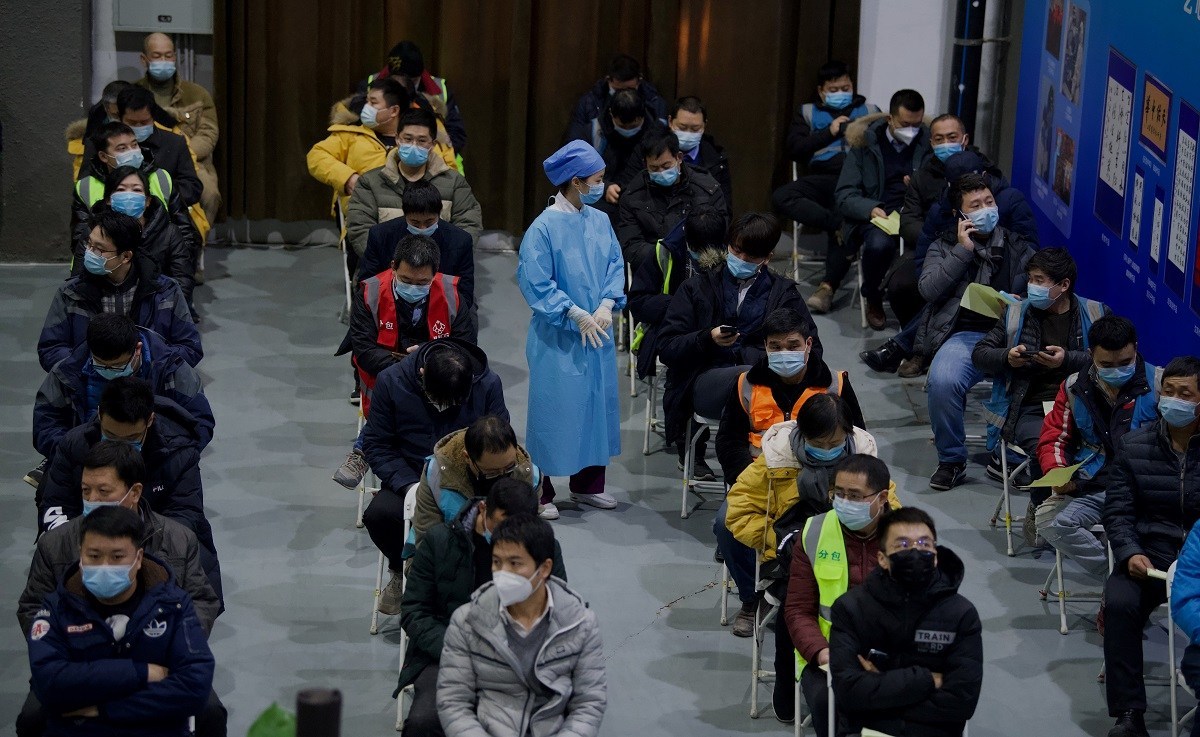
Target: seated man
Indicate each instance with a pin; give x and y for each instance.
(1093, 410)
(396, 312)
(112, 146)
(444, 386)
(624, 73)
(160, 674)
(377, 194)
(618, 137)
(695, 244)
(450, 563)
(816, 140)
(906, 651)
(884, 153)
(358, 143)
(115, 347)
(1030, 351)
(712, 331)
(657, 199)
(900, 354)
(981, 252)
(688, 120)
(114, 475)
(422, 208)
(775, 389)
(169, 151)
(165, 434)
(191, 105)
(834, 553)
(510, 622)
(119, 281)
(770, 502)
(1152, 500)
(406, 65)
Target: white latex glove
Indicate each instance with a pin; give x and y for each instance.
(588, 327)
(603, 314)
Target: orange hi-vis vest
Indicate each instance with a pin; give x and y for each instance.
(759, 404)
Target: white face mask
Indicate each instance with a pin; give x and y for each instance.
(906, 135)
(511, 588)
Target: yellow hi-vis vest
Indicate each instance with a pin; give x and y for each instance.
(826, 549)
(91, 189)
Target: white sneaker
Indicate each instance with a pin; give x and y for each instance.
(603, 500)
(548, 511)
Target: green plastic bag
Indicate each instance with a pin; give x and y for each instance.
(274, 722)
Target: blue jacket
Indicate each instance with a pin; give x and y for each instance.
(173, 487)
(457, 252)
(70, 393)
(1185, 590)
(158, 304)
(403, 426)
(75, 662)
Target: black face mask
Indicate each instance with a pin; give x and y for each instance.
(913, 569)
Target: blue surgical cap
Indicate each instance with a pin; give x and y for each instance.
(576, 159)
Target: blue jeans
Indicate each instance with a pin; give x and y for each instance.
(739, 558)
(951, 376)
(907, 337)
(358, 441)
(1066, 523)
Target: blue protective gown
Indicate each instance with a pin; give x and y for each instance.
(570, 259)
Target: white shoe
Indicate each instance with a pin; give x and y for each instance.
(603, 500)
(548, 511)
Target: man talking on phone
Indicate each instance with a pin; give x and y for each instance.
(979, 251)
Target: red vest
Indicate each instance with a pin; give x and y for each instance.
(440, 311)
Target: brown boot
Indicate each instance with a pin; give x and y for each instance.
(910, 368)
(876, 318)
(821, 300)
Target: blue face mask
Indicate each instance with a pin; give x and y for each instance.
(410, 293)
(142, 132)
(739, 268)
(688, 140)
(854, 515)
(130, 157)
(1116, 375)
(107, 582)
(95, 263)
(838, 100)
(945, 150)
(984, 219)
(627, 132)
(666, 177)
(161, 70)
(594, 193)
(368, 115)
(824, 454)
(413, 155)
(89, 507)
(423, 231)
(786, 363)
(1177, 412)
(1039, 296)
(114, 373)
(137, 444)
(132, 204)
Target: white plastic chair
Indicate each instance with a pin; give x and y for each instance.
(653, 424)
(1062, 594)
(807, 720)
(758, 674)
(408, 690)
(410, 509)
(339, 219)
(369, 484)
(705, 491)
(795, 234)
(1003, 504)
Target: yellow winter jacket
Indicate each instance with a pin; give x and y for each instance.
(767, 488)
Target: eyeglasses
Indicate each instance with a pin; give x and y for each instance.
(921, 543)
(854, 497)
(423, 141)
(489, 475)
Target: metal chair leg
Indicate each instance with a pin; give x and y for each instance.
(724, 595)
(378, 594)
(688, 462)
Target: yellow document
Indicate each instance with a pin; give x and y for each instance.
(889, 224)
(1056, 476)
(986, 301)
(867, 732)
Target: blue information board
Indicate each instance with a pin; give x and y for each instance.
(1106, 149)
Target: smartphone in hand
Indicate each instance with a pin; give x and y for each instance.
(726, 329)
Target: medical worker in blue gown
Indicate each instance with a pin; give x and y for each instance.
(573, 276)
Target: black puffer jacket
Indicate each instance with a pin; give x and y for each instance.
(647, 212)
(1153, 497)
(162, 243)
(937, 631)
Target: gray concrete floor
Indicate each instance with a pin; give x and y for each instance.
(298, 575)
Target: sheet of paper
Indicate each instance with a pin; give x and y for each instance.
(867, 732)
(986, 301)
(890, 224)
(1047, 406)
(1056, 476)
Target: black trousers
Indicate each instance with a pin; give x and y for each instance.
(384, 520)
(809, 201)
(422, 719)
(210, 722)
(900, 285)
(785, 663)
(1128, 604)
(878, 250)
(815, 690)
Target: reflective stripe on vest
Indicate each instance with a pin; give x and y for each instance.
(759, 404)
(666, 264)
(1091, 452)
(826, 550)
(819, 119)
(91, 190)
